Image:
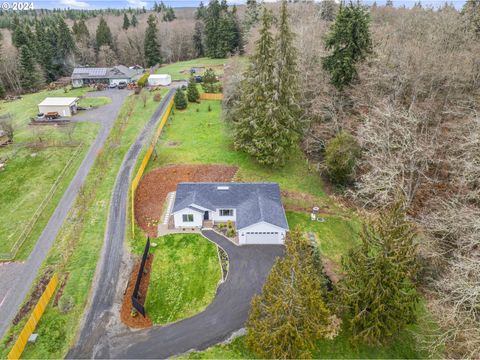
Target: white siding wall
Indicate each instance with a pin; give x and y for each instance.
(262, 227)
(215, 216)
(178, 219)
(63, 110)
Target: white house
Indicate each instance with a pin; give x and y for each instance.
(65, 106)
(159, 79)
(254, 208)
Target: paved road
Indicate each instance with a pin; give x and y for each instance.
(248, 268)
(99, 312)
(18, 277)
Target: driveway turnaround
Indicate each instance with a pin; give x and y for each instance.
(249, 266)
(99, 310)
(21, 275)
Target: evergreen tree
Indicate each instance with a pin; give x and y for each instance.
(350, 43)
(290, 316)
(30, 78)
(152, 47)
(103, 35)
(46, 52)
(252, 15)
(81, 31)
(2, 90)
(212, 33)
(179, 100)
(134, 21)
(471, 13)
(169, 14)
(378, 289)
(389, 3)
(328, 9)
(200, 12)
(192, 90)
(126, 22)
(198, 39)
(65, 42)
(341, 155)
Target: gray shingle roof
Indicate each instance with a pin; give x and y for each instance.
(254, 202)
(116, 72)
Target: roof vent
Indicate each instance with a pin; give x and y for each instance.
(222, 187)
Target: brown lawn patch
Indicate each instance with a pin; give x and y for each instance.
(154, 187)
(137, 322)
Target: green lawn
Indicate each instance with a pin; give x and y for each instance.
(77, 248)
(184, 277)
(32, 170)
(335, 236)
(202, 139)
(181, 70)
(94, 101)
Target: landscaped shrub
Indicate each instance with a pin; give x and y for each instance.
(143, 80)
(192, 91)
(66, 303)
(52, 333)
(180, 100)
(341, 157)
(210, 82)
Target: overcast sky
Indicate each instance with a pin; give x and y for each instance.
(96, 4)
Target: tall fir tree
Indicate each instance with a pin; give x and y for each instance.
(349, 42)
(30, 77)
(200, 12)
(126, 22)
(198, 39)
(65, 46)
(134, 21)
(290, 315)
(212, 34)
(103, 34)
(252, 15)
(81, 32)
(378, 290)
(268, 123)
(471, 14)
(151, 45)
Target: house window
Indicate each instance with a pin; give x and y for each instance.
(226, 212)
(187, 217)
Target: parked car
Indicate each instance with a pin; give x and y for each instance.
(122, 85)
(112, 86)
(198, 79)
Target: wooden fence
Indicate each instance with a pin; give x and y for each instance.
(146, 159)
(209, 96)
(32, 322)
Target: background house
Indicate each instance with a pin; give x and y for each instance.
(114, 75)
(65, 106)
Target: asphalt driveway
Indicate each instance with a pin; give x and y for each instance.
(249, 266)
(16, 278)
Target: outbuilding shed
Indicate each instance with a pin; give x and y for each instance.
(159, 79)
(65, 106)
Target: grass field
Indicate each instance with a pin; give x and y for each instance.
(181, 70)
(184, 277)
(34, 162)
(96, 101)
(77, 248)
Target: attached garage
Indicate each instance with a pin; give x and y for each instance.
(64, 106)
(261, 233)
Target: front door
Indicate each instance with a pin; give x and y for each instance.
(205, 216)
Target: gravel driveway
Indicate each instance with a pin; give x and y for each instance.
(16, 278)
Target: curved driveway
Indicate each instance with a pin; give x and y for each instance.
(249, 266)
(16, 278)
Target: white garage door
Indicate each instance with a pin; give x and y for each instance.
(263, 238)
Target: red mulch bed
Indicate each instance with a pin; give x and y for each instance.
(138, 322)
(154, 187)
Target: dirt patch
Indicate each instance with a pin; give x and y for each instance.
(302, 202)
(154, 187)
(137, 322)
(34, 296)
(60, 290)
(171, 143)
(331, 269)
